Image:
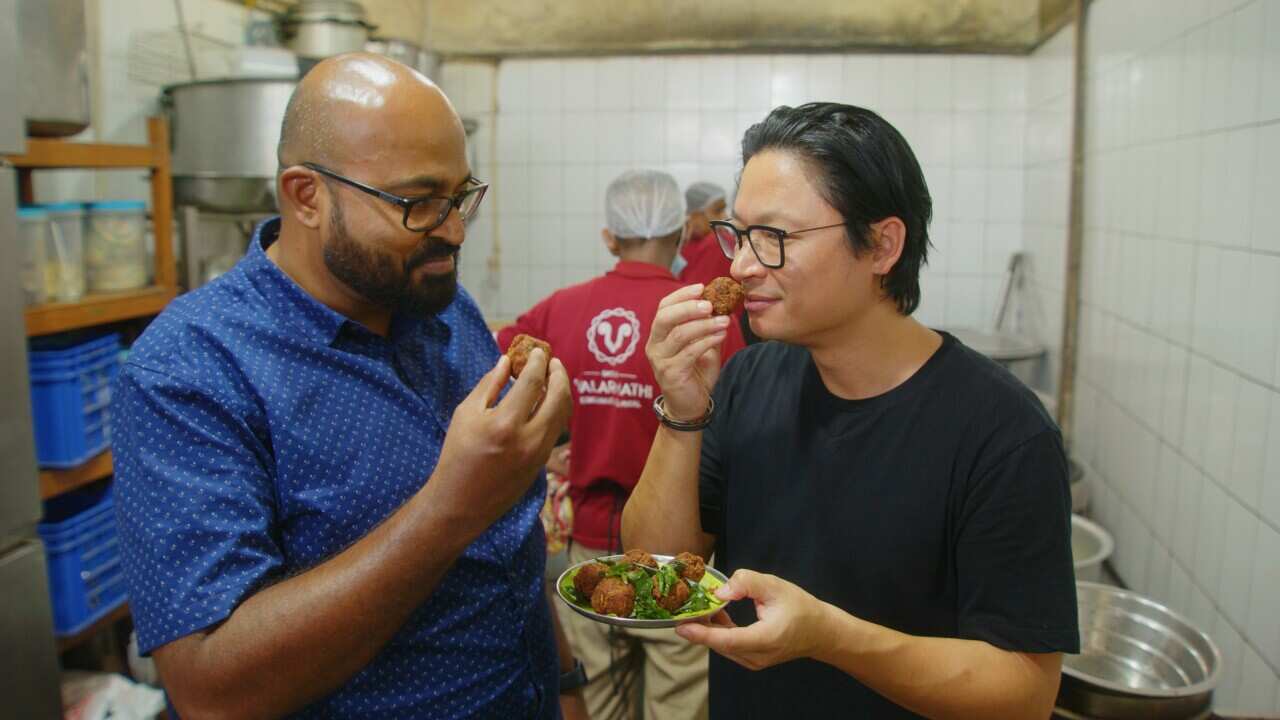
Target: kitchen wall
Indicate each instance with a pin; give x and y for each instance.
(1039, 307)
(1178, 399)
(565, 127)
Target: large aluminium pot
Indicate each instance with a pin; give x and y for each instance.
(316, 29)
(1138, 660)
(224, 141)
(54, 68)
(405, 53)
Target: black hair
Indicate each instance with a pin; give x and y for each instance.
(866, 171)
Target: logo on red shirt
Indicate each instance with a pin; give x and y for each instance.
(613, 335)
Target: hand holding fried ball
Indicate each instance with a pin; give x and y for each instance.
(521, 346)
(496, 446)
(725, 295)
(684, 346)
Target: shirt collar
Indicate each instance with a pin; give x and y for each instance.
(631, 269)
(316, 320)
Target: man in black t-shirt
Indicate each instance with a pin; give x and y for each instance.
(893, 507)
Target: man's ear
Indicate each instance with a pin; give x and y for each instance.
(611, 242)
(301, 195)
(888, 237)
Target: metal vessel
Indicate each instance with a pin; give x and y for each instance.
(54, 67)
(319, 28)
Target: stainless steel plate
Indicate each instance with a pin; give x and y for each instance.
(718, 577)
(1138, 647)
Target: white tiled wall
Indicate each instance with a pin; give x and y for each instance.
(565, 128)
(1050, 73)
(1178, 401)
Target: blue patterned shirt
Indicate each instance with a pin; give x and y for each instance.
(260, 433)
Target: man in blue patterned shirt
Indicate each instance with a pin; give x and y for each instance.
(328, 506)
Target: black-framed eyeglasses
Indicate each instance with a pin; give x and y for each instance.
(425, 212)
(765, 241)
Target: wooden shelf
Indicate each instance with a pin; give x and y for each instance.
(111, 618)
(97, 309)
(56, 482)
(43, 153)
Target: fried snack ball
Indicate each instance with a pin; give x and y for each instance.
(588, 577)
(677, 595)
(640, 557)
(521, 346)
(614, 596)
(725, 295)
(694, 566)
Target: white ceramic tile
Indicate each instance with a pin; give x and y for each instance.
(1211, 536)
(789, 81)
(1258, 684)
(972, 81)
(826, 81)
(1263, 627)
(969, 133)
(1179, 588)
(718, 143)
(546, 237)
(1191, 71)
(510, 190)
(1008, 84)
(578, 136)
(1195, 422)
(1004, 195)
(1217, 74)
(964, 248)
(1158, 569)
(1266, 184)
(546, 191)
(579, 84)
(969, 195)
(717, 83)
(545, 141)
(582, 194)
(1132, 550)
(753, 82)
(1235, 575)
(683, 136)
(1174, 391)
(649, 83)
(1247, 26)
(964, 308)
(1253, 407)
(546, 85)
(934, 86)
(860, 80)
(648, 140)
(1164, 493)
(897, 82)
(1006, 139)
(1269, 60)
(1232, 647)
(613, 83)
(683, 83)
(1187, 520)
(1219, 438)
(1270, 491)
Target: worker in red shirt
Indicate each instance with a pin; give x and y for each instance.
(598, 329)
(701, 259)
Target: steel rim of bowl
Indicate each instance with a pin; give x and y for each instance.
(1107, 543)
(635, 623)
(1212, 665)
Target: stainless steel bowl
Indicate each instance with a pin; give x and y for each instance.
(1137, 658)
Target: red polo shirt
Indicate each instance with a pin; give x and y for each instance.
(598, 329)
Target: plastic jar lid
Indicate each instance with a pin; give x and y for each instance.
(35, 213)
(64, 207)
(117, 206)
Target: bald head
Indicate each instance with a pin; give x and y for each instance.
(361, 106)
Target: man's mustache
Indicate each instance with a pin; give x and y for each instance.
(429, 252)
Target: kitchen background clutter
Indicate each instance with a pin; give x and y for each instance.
(1111, 240)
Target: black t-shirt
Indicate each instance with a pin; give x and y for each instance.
(940, 508)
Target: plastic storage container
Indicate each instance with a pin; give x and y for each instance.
(116, 245)
(64, 254)
(83, 558)
(71, 398)
(33, 231)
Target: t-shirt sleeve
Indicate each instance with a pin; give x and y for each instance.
(195, 506)
(1016, 582)
(533, 322)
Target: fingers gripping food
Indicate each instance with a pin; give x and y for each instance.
(521, 346)
(725, 295)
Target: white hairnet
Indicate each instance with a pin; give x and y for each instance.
(701, 194)
(643, 204)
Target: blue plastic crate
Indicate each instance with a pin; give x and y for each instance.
(71, 400)
(82, 551)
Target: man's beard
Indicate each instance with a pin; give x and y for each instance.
(381, 280)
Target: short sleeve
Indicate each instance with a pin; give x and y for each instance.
(195, 505)
(1016, 582)
(533, 322)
